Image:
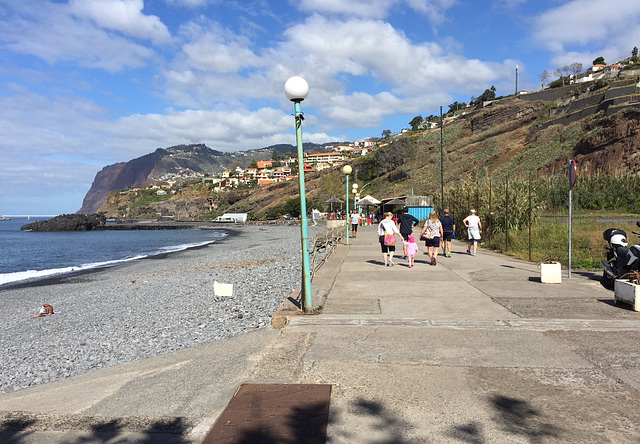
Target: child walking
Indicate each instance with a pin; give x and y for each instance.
(412, 249)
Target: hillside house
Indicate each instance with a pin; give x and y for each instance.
(264, 164)
(427, 125)
(278, 173)
(315, 158)
(264, 174)
(322, 166)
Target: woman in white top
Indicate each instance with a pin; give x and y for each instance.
(388, 227)
(472, 222)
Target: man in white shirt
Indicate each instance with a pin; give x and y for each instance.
(472, 222)
(355, 221)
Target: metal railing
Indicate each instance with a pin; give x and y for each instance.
(323, 246)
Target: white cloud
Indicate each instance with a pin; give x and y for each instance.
(374, 50)
(605, 28)
(217, 50)
(122, 15)
(395, 74)
(51, 32)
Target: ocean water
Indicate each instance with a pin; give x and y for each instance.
(26, 255)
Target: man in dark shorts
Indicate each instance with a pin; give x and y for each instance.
(406, 222)
(448, 228)
(355, 220)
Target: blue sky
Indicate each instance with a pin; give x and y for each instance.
(88, 83)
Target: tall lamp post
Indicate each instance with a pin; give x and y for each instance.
(296, 89)
(347, 170)
(354, 189)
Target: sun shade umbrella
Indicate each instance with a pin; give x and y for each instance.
(368, 200)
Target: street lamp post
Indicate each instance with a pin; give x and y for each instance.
(347, 170)
(354, 188)
(296, 90)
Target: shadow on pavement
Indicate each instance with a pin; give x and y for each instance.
(518, 417)
(515, 417)
(20, 430)
(12, 431)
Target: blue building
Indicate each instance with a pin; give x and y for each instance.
(419, 207)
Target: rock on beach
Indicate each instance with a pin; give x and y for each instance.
(148, 307)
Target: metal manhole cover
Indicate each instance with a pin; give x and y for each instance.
(274, 413)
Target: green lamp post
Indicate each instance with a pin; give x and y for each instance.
(296, 90)
(347, 170)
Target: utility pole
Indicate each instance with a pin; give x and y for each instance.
(441, 165)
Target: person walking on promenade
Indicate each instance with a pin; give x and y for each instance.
(448, 228)
(387, 231)
(406, 222)
(411, 248)
(474, 227)
(355, 221)
(432, 233)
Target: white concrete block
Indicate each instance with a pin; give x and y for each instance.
(627, 292)
(551, 273)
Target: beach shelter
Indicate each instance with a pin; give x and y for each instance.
(391, 202)
(332, 201)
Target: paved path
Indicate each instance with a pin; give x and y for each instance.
(473, 350)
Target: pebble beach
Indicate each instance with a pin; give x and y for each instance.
(148, 307)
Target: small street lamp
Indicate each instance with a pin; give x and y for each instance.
(296, 90)
(347, 170)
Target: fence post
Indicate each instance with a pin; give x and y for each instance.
(490, 214)
(530, 216)
(506, 216)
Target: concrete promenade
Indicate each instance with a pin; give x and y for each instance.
(473, 350)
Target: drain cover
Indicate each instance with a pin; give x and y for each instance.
(274, 413)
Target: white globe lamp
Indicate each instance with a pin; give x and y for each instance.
(296, 89)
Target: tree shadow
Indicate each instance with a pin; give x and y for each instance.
(518, 417)
(97, 430)
(160, 431)
(14, 430)
(513, 416)
(384, 420)
(470, 433)
(305, 425)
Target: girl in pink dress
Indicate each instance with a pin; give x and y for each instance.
(412, 249)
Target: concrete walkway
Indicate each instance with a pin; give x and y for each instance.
(473, 350)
